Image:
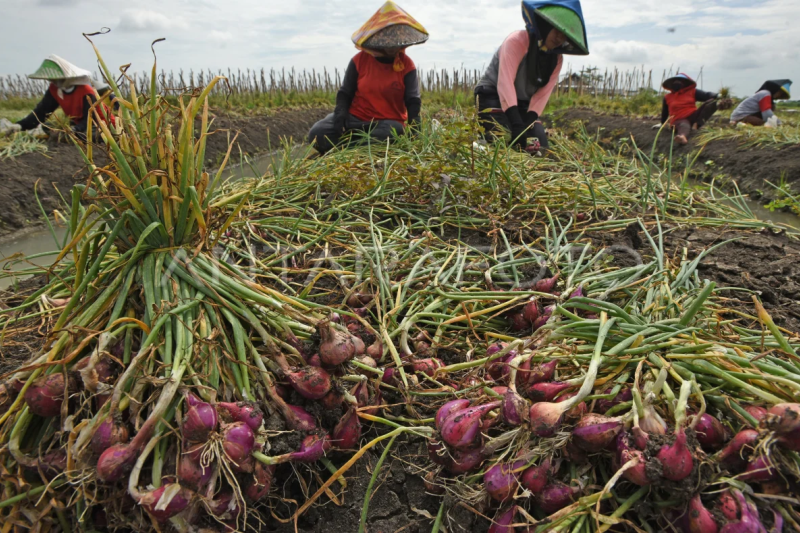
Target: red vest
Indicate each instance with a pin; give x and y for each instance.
(682, 103)
(72, 103)
(381, 91)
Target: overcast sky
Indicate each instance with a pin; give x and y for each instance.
(738, 43)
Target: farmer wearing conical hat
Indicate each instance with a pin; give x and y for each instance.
(759, 109)
(380, 93)
(70, 89)
(680, 108)
(524, 71)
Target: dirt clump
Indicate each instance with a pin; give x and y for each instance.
(764, 263)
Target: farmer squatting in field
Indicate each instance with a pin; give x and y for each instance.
(71, 89)
(680, 108)
(380, 93)
(524, 71)
(759, 109)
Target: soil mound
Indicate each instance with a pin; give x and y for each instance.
(750, 167)
(62, 166)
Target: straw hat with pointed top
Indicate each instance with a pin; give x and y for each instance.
(390, 27)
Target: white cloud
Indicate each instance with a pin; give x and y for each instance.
(623, 51)
(138, 20)
(736, 42)
(58, 3)
(221, 37)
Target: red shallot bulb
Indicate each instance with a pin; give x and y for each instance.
(166, 501)
(107, 434)
(238, 442)
(462, 428)
(45, 395)
(595, 432)
(200, 419)
(501, 480)
(247, 412)
(676, 459)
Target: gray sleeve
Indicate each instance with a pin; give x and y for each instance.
(751, 106)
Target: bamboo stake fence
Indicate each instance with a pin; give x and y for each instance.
(590, 81)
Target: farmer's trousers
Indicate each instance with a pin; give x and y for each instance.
(754, 120)
(699, 117)
(323, 135)
(495, 122)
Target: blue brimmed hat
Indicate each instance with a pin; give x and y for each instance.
(676, 83)
(780, 89)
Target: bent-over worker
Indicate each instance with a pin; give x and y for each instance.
(517, 85)
(680, 107)
(70, 89)
(759, 109)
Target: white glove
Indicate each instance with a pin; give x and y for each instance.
(657, 126)
(39, 132)
(773, 122)
(7, 127)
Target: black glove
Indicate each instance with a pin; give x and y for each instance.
(518, 133)
(530, 118)
(343, 103)
(339, 120)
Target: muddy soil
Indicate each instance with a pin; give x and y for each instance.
(24, 338)
(751, 168)
(399, 501)
(61, 166)
(763, 263)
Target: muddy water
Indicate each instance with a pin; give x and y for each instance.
(776, 217)
(29, 244)
(41, 242)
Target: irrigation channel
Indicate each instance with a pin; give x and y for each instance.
(40, 244)
(210, 356)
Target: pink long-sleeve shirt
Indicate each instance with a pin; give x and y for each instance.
(509, 68)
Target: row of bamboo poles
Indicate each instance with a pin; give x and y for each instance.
(611, 83)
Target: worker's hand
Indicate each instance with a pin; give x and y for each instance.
(529, 118)
(519, 131)
(773, 122)
(39, 132)
(8, 128)
(724, 103)
(59, 136)
(519, 136)
(657, 126)
(339, 121)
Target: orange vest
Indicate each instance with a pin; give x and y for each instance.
(72, 103)
(381, 90)
(681, 104)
